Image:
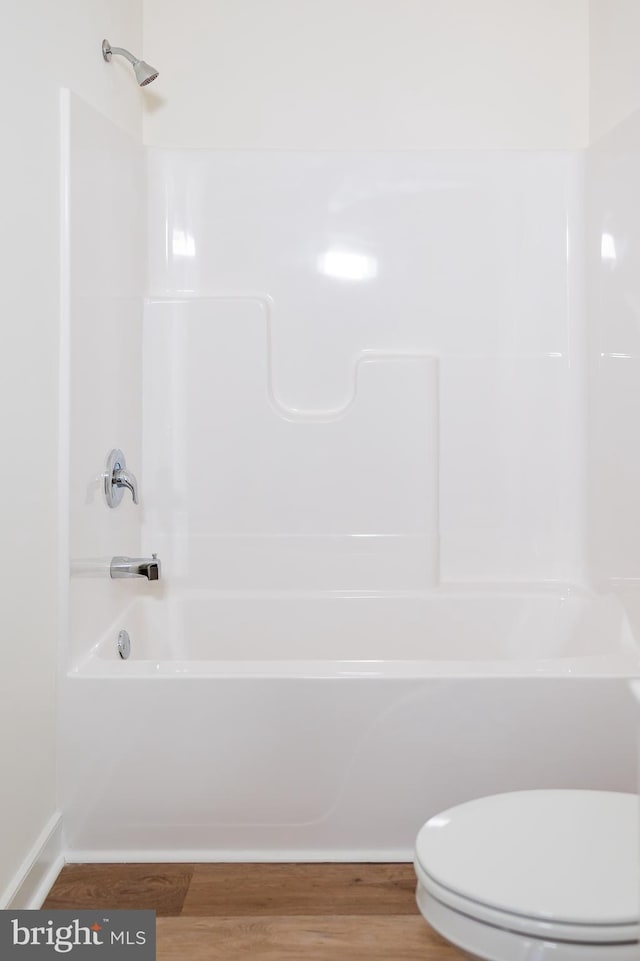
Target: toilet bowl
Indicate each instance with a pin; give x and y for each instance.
(548, 875)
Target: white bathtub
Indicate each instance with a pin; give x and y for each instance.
(274, 727)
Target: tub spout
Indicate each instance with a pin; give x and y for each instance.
(148, 567)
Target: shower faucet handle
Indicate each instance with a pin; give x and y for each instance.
(117, 479)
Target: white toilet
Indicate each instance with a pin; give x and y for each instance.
(534, 876)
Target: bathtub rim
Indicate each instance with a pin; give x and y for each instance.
(616, 665)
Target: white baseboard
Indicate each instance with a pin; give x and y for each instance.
(34, 879)
(212, 856)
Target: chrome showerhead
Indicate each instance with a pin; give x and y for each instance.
(144, 72)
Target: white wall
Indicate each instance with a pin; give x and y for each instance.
(368, 73)
(614, 63)
(44, 46)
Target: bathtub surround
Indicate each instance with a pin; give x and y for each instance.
(344, 494)
(364, 442)
(614, 357)
(475, 272)
(105, 186)
(613, 255)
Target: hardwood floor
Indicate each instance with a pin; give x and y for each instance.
(265, 912)
(362, 938)
(300, 889)
(159, 887)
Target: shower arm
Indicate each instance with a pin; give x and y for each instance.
(120, 52)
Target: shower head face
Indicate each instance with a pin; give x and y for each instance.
(144, 72)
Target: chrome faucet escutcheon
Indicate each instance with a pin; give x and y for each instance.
(117, 479)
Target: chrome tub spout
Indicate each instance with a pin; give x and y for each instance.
(148, 567)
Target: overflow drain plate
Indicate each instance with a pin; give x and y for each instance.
(124, 645)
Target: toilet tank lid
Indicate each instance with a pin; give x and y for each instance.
(558, 855)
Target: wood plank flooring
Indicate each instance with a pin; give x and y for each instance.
(265, 912)
(158, 887)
